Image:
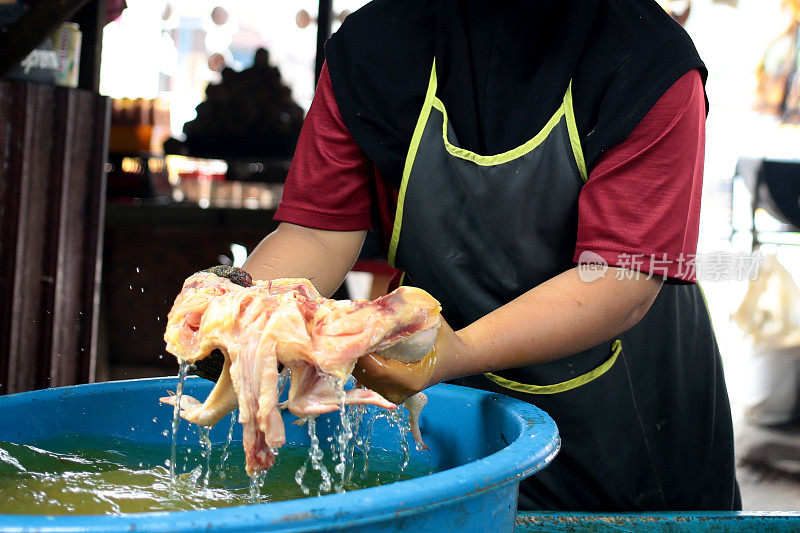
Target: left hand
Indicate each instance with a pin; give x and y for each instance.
(210, 367)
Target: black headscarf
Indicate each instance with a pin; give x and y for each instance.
(503, 67)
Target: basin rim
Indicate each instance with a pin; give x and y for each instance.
(511, 464)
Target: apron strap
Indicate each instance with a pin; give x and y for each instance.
(574, 137)
(555, 388)
(412, 154)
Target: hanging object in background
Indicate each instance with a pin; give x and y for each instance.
(679, 9)
(770, 311)
(56, 60)
(770, 316)
(216, 62)
(778, 88)
(219, 16)
(303, 19)
(250, 114)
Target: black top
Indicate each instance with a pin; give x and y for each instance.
(503, 69)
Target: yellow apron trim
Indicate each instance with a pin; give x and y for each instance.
(412, 154)
(616, 348)
(708, 309)
(574, 138)
(505, 157)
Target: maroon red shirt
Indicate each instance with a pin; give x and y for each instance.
(640, 208)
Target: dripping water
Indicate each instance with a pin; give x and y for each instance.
(315, 455)
(299, 475)
(366, 439)
(183, 370)
(357, 412)
(343, 435)
(399, 421)
(205, 442)
(225, 451)
(255, 487)
(283, 379)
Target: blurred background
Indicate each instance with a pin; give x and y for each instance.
(156, 135)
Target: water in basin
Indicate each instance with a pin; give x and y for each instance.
(94, 474)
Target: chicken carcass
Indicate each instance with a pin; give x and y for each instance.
(285, 321)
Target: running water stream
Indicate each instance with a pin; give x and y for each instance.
(183, 370)
(205, 442)
(354, 432)
(225, 449)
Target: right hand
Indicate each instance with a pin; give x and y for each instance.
(397, 380)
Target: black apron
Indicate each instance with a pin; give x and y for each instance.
(644, 419)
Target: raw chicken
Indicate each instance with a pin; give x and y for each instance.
(286, 321)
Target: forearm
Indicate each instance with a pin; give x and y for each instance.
(560, 317)
(324, 257)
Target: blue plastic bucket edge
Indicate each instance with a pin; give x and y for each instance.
(433, 491)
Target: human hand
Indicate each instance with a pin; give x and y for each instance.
(210, 367)
(395, 375)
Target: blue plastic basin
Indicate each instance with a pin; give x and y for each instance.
(487, 443)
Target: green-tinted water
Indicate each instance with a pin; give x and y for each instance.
(78, 474)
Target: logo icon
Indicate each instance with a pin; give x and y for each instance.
(591, 266)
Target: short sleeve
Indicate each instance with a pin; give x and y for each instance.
(640, 208)
(330, 179)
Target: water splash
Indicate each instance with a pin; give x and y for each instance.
(283, 379)
(366, 440)
(356, 414)
(225, 449)
(183, 370)
(344, 434)
(395, 419)
(299, 475)
(315, 455)
(399, 421)
(205, 442)
(255, 487)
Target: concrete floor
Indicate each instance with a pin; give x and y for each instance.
(769, 468)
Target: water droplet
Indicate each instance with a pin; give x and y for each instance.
(134, 327)
(161, 357)
(155, 419)
(138, 270)
(142, 290)
(133, 429)
(165, 433)
(130, 287)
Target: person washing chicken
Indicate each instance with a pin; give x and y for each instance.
(495, 146)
